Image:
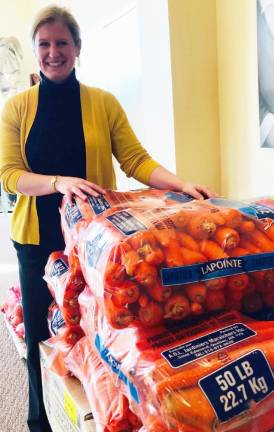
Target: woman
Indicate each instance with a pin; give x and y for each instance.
(58, 138)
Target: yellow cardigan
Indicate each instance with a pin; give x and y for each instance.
(106, 132)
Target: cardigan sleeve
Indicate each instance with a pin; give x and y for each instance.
(134, 160)
(11, 162)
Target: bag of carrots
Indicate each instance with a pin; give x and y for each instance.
(110, 407)
(216, 375)
(79, 213)
(149, 265)
(65, 285)
(60, 345)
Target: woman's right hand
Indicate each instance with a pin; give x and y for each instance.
(70, 186)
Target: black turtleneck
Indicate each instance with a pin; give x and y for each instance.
(56, 146)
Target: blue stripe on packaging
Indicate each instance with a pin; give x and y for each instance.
(115, 366)
(217, 268)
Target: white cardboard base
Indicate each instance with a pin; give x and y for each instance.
(65, 401)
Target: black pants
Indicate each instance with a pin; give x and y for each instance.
(36, 299)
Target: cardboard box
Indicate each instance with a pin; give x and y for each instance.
(65, 401)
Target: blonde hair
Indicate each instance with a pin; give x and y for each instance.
(54, 13)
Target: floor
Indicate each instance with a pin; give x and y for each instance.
(13, 376)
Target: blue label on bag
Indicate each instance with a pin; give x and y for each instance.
(57, 321)
(95, 248)
(115, 366)
(59, 267)
(126, 223)
(217, 268)
(72, 214)
(232, 389)
(179, 197)
(98, 204)
(208, 344)
(258, 211)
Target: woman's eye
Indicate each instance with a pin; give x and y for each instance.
(43, 44)
(62, 43)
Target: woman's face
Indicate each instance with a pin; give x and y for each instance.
(55, 50)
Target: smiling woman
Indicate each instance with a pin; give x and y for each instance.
(56, 50)
(58, 138)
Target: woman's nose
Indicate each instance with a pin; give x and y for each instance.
(53, 51)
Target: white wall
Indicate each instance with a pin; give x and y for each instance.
(126, 51)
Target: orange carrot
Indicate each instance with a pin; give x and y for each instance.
(246, 226)
(174, 255)
(159, 292)
(152, 255)
(181, 218)
(238, 282)
(118, 317)
(238, 251)
(145, 274)
(190, 406)
(114, 274)
(196, 308)
(143, 300)
(192, 256)
(130, 260)
(215, 300)
(246, 244)
(217, 217)
(201, 226)
(226, 237)
(177, 307)
(142, 238)
(126, 293)
(165, 236)
(196, 292)
(214, 212)
(187, 241)
(233, 218)
(260, 240)
(216, 284)
(151, 314)
(212, 250)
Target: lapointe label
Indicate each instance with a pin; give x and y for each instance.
(57, 321)
(126, 223)
(72, 214)
(59, 267)
(195, 349)
(217, 268)
(98, 204)
(232, 389)
(179, 197)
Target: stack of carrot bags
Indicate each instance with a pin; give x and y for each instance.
(152, 287)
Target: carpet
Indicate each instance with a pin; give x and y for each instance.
(13, 385)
